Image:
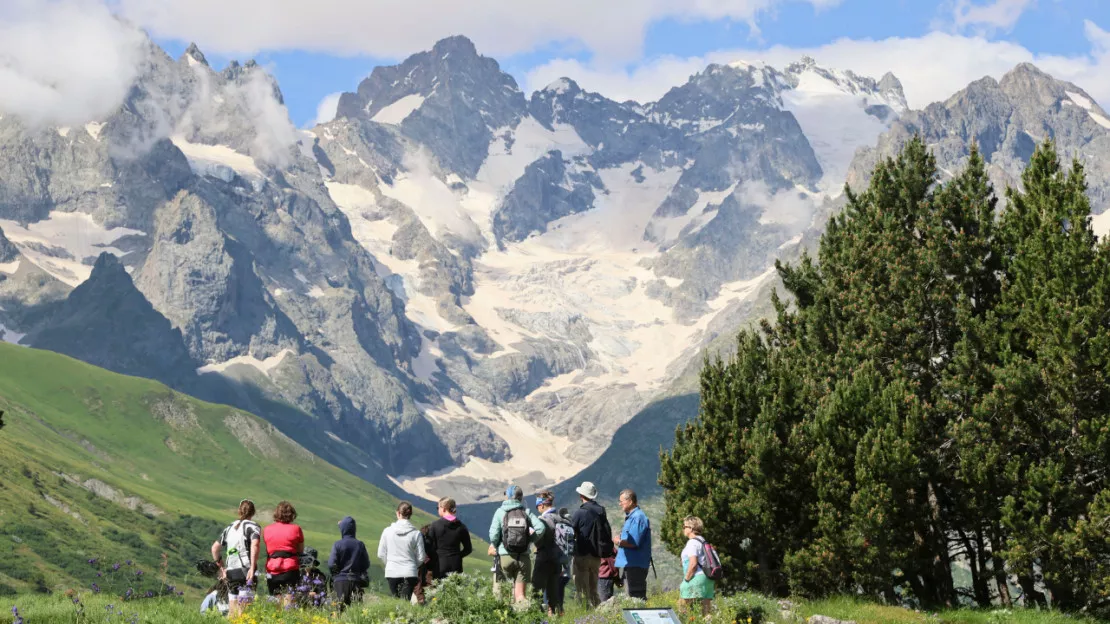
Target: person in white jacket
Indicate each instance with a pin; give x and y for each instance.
(401, 549)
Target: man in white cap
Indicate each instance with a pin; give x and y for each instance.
(593, 541)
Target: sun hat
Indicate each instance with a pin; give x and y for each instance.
(587, 489)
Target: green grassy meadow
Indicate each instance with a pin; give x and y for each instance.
(176, 466)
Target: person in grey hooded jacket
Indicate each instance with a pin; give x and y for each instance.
(401, 549)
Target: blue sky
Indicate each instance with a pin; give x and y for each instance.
(671, 46)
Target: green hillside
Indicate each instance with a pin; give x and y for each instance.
(99, 465)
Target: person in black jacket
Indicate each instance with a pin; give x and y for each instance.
(450, 539)
(349, 564)
(592, 542)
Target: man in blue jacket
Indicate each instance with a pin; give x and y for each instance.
(349, 564)
(634, 549)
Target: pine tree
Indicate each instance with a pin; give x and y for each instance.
(1051, 388)
(936, 391)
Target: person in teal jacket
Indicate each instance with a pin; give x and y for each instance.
(511, 537)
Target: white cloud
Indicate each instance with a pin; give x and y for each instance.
(611, 29)
(995, 15)
(931, 67)
(64, 62)
(327, 108)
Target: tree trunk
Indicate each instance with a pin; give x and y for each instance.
(889, 594)
(766, 575)
(942, 559)
(1063, 597)
(975, 560)
(999, 565)
(1033, 597)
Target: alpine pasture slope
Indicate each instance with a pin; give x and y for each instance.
(99, 465)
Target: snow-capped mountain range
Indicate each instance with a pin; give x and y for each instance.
(452, 284)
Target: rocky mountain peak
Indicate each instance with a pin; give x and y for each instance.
(8, 251)
(449, 98)
(717, 93)
(457, 44)
(108, 271)
(106, 321)
(560, 87)
(892, 87)
(1029, 83)
(194, 56)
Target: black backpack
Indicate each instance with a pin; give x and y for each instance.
(514, 531)
(601, 536)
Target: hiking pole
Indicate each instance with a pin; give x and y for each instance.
(652, 562)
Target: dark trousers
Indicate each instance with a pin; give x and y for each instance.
(283, 583)
(604, 588)
(346, 591)
(635, 580)
(402, 587)
(546, 583)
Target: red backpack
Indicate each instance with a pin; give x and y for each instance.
(710, 562)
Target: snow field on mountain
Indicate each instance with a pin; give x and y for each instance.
(619, 218)
(669, 229)
(510, 153)
(398, 111)
(73, 235)
(834, 121)
(534, 450)
(1087, 105)
(8, 335)
(1101, 224)
(431, 199)
(263, 366)
(219, 161)
(376, 236)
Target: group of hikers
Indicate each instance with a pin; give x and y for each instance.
(581, 546)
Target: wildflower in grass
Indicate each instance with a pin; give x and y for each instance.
(95, 588)
(18, 619)
(115, 567)
(93, 561)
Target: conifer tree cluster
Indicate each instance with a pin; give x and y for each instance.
(928, 422)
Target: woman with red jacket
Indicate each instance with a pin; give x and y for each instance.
(284, 543)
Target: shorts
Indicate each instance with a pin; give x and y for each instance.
(282, 583)
(701, 587)
(517, 568)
